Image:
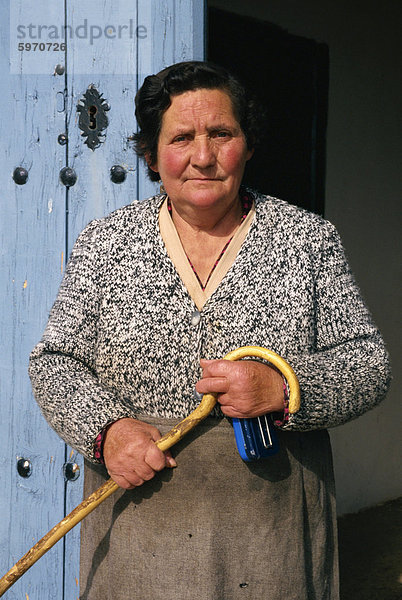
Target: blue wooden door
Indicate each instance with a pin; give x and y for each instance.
(51, 53)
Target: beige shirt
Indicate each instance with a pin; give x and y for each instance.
(179, 258)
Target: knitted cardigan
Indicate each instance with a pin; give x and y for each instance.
(122, 339)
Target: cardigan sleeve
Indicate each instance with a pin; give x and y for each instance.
(62, 365)
(349, 371)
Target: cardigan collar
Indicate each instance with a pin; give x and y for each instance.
(179, 258)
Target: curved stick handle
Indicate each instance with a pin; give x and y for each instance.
(167, 441)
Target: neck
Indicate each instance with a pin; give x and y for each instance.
(218, 221)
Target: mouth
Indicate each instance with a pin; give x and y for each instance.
(203, 179)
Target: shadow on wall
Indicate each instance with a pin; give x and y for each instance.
(370, 553)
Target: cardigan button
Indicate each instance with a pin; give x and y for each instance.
(195, 318)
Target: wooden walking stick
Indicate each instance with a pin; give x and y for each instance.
(167, 441)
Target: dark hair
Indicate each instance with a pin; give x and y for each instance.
(154, 98)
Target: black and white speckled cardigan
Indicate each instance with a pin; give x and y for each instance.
(120, 339)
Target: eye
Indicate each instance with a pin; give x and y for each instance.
(221, 134)
(180, 138)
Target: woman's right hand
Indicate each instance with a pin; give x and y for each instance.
(130, 453)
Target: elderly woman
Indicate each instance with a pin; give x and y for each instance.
(154, 295)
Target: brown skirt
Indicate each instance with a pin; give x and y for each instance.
(217, 528)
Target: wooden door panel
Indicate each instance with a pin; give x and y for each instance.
(32, 255)
(289, 77)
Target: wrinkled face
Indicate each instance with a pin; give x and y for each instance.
(202, 150)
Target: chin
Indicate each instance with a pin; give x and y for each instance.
(206, 198)
(209, 192)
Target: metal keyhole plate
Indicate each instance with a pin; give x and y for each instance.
(93, 121)
(92, 110)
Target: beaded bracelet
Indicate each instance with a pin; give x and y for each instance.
(98, 454)
(280, 422)
(98, 445)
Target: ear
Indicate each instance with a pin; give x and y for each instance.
(249, 154)
(152, 166)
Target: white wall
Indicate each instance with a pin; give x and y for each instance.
(363, 199)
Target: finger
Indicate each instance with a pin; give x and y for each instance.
(222, 368)
(240, 410)
(127, 483)
(170, 461)
(230, 411)
(154, 458)
(215, 367)
(155, 434)
(144, 470)
(208, 385)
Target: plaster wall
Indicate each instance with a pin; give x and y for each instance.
(363, 199)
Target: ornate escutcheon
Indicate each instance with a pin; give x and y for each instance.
(93, 119)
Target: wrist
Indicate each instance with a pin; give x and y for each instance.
(276, 391)
(282, 417)
(99, 443)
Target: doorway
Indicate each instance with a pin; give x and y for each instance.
(289, 77)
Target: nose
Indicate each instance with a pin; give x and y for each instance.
(203, 155)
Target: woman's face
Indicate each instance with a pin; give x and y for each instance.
(202, 150)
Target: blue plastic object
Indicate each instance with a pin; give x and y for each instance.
(255, 438)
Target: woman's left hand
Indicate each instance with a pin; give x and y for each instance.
(245, 388)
